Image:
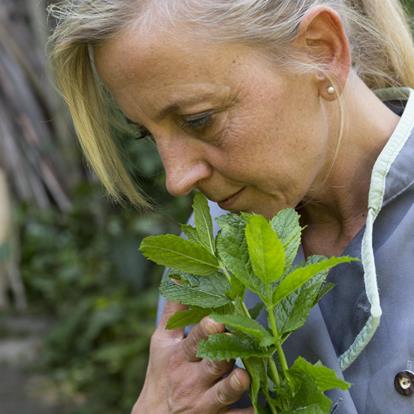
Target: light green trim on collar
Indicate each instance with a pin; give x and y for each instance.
(375, 200)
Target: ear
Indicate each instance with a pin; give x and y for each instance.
(321, 36)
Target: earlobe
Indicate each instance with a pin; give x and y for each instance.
(321, 36)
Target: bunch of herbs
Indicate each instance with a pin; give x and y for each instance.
(211, 276)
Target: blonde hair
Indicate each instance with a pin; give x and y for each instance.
(381, 45)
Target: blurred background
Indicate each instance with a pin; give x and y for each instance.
(77, 299)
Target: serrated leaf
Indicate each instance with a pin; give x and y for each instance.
(324, 377)
(203, 292)
(226, 346)
(190, 232)
(232, 250)
(286, 225)
(301, 275)
(187, 317)
(266, 251)
(307, 395)
(172, 251)
(292, 312)
(325, 289)
(245, 325)
(203, 222)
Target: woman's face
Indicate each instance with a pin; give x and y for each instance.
(225, 119)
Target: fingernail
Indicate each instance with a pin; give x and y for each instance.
(235, 382)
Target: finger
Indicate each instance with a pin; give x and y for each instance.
(228, 390)
(170, 308)
(249, 410)
(201, 331)
(214, 370)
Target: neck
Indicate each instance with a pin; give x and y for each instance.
(335, 209)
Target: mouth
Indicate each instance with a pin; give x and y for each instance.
(226, 203)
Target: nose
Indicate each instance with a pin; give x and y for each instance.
(185, 167)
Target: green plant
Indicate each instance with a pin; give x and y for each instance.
(213, 274)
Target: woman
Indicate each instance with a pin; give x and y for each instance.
(263, 105)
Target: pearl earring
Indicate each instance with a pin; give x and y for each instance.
(331, 90)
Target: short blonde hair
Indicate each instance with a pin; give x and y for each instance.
(381, 45)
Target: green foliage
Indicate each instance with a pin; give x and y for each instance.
(187, 317)
(203, 222)
(298, 277)
(245, 325)
(251, 253)
(203, 292)
(266, 251)
(174, 252)
(226, 346)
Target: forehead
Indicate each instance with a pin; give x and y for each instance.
(163, 60)
(131, 54)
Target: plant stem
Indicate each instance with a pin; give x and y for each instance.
(269, 402)
(282, 357)
(273, 371)
(226, 273)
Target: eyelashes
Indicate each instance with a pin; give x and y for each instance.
(198, 122)
(199, 125)
(142, 131)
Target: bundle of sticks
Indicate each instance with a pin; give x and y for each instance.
(39, 156)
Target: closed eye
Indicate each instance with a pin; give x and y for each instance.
(142, 131)
(198, 122)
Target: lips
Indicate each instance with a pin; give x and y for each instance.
(229, 201)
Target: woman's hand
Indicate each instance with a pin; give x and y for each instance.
(179, 382)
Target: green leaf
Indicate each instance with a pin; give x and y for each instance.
(245, 325)
(292, 312)
(301, 275)
(203, 222)
(324, 377)
(185, 255)
(256, 309)
(232, 250)
(286, 225)
(258, 376)
(227, 346)
(190, 232)
(204, 292)
(307, 397)
(266, 251)
(325, 289)
(237, 289)
(187, 317)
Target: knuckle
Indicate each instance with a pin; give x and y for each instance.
(189, 347)
(213, 368)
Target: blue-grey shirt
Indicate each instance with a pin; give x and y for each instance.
(364, 328)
